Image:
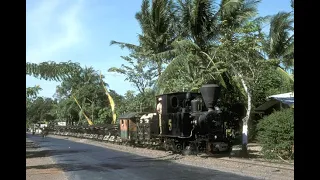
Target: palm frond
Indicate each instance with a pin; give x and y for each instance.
(51, 70)
(122, 45)
(280, 27)
(234, 12)
(285, 75)
(33, 91)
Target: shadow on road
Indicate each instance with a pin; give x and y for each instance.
(31, 145)
(79, 167)
(126, 162)
(127, 158)
(47, 153)
(235, 154)
(133, 158)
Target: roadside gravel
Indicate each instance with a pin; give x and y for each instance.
(40, 168)
(261, 170)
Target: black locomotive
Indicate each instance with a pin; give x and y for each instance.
(192, 121)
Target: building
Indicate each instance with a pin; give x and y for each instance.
(276, 102)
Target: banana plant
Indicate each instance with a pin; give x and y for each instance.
(84, 114)
(112, 104)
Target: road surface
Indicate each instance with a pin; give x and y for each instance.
(82, 161)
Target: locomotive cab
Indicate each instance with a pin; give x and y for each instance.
(174, 120)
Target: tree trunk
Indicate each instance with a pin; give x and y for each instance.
(245, 120)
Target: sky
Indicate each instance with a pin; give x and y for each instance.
(81, 31)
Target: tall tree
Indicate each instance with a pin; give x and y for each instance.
(142, 77)
(39, 110)
(158, 32)
(86, 87)
(137, 73)
(243, 57)
(204, 26)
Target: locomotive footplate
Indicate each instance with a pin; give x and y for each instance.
(170, 136)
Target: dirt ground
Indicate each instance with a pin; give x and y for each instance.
(33, 172)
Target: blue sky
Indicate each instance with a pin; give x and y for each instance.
(81, 31)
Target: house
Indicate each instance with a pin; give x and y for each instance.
(276, 102)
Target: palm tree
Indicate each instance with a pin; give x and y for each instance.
(204, 23)
(158, 32)
(280, 41)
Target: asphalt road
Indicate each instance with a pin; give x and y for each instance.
(88, 162)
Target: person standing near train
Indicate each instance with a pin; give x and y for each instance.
(159, 110)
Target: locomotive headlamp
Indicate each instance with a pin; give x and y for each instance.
(194, 122)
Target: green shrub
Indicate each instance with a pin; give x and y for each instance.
(276, 134)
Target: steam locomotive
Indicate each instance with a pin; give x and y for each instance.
(189, 123)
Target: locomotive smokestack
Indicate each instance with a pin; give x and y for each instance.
(210, 94)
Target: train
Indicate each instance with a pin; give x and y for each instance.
(188, 123)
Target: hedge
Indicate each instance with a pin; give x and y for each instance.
(276, 134)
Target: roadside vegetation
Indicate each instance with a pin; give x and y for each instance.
(276, 135)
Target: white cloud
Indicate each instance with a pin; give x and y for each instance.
(52, 27)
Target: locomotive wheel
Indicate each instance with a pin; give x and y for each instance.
(178, 147)
(187, 151)
(167, 146)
